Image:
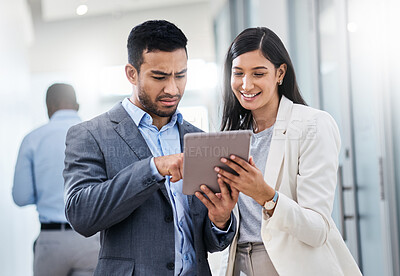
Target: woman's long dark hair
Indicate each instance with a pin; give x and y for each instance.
(234, 115)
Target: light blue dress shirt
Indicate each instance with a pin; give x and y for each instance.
(38, 172)
(165, 142)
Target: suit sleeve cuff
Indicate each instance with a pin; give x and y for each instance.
(219, 231)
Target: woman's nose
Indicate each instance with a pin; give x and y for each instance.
(247, 83)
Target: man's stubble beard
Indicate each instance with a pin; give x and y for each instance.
(151, 107)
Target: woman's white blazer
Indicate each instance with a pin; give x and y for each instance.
(301, 237)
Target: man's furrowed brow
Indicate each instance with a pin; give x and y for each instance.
(182, 72)
(156, 72)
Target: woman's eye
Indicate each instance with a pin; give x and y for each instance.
(236, 74)
(259, 74)
(180, 76)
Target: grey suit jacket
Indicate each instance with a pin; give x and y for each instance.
(110, 188)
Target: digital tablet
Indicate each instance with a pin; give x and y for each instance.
(203, 151)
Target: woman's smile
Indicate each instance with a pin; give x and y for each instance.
(249, 96)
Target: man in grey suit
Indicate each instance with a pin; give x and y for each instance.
(123, 171)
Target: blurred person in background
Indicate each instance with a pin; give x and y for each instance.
(287, 187)
(123, 171)
(38, 180)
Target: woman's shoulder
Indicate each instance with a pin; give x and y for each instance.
(306, 113)
(307, 122)
(311, 123)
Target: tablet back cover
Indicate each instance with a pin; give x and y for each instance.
(203, 151)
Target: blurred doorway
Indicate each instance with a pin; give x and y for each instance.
(343, 40)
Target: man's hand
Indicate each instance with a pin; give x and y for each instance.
(219, 205)
(170, 165)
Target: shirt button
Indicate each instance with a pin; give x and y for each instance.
(180, 223)
(168, 219)
(171, 266)
(185, 257)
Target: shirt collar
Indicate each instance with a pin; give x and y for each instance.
(139, 116)
(64, 113)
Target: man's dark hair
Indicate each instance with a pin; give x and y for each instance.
(60, 96)
(154, 35)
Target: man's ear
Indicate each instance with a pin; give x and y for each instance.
(131, 73)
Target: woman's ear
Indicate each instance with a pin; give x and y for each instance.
(131, 73)
(282, 71)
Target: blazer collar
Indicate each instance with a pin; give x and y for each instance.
(183, 129)
(277, 148)
(128, 131)
(284, 113)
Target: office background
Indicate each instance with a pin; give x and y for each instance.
(346, 55)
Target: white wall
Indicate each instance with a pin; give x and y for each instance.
(82, 51)
(64, 45)
(19, 226)
(273, 15)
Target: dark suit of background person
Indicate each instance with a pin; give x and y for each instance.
(122, 170)
(38, 180)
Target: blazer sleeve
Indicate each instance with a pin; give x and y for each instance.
(93, 202)
(308, 218)
(215, 241)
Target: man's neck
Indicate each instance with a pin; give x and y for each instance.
(158, 121)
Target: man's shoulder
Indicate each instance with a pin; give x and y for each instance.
(188, 127)
(38, 132)
(94, 122)
(103, 120)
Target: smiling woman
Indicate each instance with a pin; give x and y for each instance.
(252, 68)
(287, 186)
(253, 82)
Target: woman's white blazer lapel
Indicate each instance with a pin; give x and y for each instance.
(273, 168)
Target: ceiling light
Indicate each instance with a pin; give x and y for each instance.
(352, 27)
(81, 9)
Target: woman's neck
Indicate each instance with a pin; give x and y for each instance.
(265, 118)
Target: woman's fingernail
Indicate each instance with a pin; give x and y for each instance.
(216, 169)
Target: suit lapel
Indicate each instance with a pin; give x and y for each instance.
(183, 129)
(130, 133)
(277, 149)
